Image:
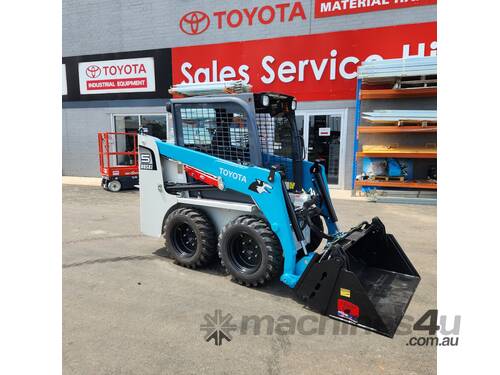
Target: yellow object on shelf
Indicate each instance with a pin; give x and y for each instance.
(397, 149)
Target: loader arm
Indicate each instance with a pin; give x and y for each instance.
(314, 177)
(238, 178)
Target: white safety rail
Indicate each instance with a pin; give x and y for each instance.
(210, 88)
(412, 66)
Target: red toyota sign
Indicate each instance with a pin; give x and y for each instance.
(117, 76)
(309, 67)
(329, 8)
(197, 22)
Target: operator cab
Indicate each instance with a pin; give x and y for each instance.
(245, 128)
(281, 144)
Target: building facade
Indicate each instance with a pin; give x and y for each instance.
(120, 57)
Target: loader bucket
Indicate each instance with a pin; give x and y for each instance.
(364, 279)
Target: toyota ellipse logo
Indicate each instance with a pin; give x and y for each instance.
(93, 71)
(194, 22)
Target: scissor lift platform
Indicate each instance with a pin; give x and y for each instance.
(118, 174)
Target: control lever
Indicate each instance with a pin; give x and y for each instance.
(273, 170)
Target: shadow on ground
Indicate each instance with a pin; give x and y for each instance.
(274, 287)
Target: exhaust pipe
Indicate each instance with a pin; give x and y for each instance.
(363, 278)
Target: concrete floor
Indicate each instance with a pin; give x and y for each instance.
(127, 309)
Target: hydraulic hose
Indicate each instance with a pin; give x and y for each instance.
(323, 190)
(317, 230)
(293, 217)
(308, 212)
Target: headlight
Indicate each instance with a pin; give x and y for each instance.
(294, 105)
(265, 100)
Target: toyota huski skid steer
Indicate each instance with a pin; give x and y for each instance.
(234, 184)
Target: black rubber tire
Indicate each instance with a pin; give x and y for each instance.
(205, 248)
(269, 249)
(114, 186)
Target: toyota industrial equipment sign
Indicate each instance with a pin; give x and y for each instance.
(309, 67)
(330, 8)
(117, 76)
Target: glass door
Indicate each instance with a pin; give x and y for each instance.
(324, 137)
(121, 142)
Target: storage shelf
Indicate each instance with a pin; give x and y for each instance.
(402, 155)
(399, 184)
(395, 94)
(384, 129)
(396, 129)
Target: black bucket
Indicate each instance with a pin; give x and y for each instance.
(364, 279)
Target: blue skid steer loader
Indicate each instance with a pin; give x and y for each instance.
(231, 182)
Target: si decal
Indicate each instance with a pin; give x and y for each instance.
(146, 159)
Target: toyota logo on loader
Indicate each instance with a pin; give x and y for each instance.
(93, 71)
(195, 22)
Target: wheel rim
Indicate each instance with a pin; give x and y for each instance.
(114, 185)
(244, 253)
(184, 239)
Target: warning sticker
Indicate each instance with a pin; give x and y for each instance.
(324, 132)
(347, 310)
(345, 292)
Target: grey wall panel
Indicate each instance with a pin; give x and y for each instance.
(80, 127)
(103, 26)
(116, 103)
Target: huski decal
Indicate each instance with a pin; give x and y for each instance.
(260, 187)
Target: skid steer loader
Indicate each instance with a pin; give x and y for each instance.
(234, 185)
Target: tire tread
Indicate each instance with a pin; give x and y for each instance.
(273, 248)
(207, 233)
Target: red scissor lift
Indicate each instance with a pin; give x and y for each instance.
(118, 174)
